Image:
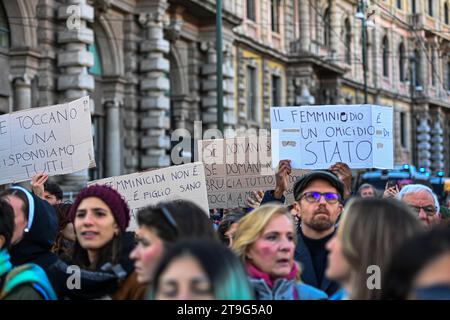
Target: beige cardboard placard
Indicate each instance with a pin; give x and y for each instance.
(183, 182)
(236, 167)
(55, 139)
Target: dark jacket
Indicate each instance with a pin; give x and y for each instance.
(308, 275)
(268, 197)
(36, 244)
(102, 283)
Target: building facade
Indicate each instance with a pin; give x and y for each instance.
(150, 68)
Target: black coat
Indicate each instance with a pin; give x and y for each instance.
(308, 274)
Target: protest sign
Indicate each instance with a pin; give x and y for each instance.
(55, 139)
(183, 182)
(236, 167)
(316, 137)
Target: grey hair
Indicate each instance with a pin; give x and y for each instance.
(416, 188)
(366, 186)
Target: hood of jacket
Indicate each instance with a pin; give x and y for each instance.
(36, 243)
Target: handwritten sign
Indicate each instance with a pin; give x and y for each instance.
(315, 137)
(184, 182)
(55, 139)
(236, 167)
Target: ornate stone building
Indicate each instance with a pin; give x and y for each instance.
(150, 68)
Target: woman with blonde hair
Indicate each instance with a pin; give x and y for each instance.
(265, 242)
(362, 248)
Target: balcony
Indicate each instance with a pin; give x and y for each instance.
(416, 20)
(206, 9)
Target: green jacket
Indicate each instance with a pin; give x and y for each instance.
(26, 282)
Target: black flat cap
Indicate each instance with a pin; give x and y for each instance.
(305, 180)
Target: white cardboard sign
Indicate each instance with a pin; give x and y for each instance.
(236, 167)
(55, 139)
(183, 182)
(316, 137)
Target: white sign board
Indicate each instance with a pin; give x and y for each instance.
(183, 182)
(236, 167)
(55, 139)
(316, 137)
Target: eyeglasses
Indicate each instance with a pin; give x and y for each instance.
(312, 197)
(429, 210)
(166, 213)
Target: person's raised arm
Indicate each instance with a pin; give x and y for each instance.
(342, 170)
(37, 184)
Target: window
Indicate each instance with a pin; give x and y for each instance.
(446, 13)
(276, 91)
(275, 15)
(430, 7)
(417, 76)
(403, 131)
(96, 69)
(448, 76)
(348, 42)
(4, 28)
(98, 130)
(385, 57)
(251, 10)
(98, 119)
(433, 68)
(401, 62)
(327, 27)
(399, 4)
(251, 94)
(413, 6)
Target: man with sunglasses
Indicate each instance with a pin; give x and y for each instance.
(318, 200)
(422, 200)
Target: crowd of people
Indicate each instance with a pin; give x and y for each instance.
(332, 242)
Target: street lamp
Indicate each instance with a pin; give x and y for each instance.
(219, 70)
(361, 14)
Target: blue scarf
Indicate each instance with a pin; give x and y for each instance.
(5, 263)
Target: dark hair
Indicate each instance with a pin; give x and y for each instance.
(54, 189)
(176, 220)
(225, 271)
(226, 223)
(109, 253)
(19, 194)
(411, 258)
(62, 211)
(6, 222)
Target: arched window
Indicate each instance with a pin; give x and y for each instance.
(98, 118)
(4, 28)
(401, 62)
(385, 56)
(348, 41)
(326, 27)
(96, 69)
